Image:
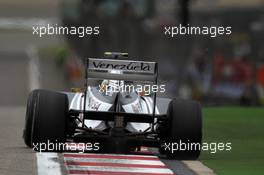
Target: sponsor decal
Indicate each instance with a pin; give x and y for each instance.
(94, 104)
(136, 107)
(129, 66)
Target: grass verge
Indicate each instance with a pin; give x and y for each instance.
(244, 128)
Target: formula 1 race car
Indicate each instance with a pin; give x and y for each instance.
(121, 121)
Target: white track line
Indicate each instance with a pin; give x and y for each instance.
(113, 158)
(121, 169)
(24, 23)
(33, 68)
(124, 161)
(48, 163)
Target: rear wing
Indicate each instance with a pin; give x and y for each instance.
(113, 69)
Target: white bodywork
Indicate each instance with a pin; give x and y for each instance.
(140, 105)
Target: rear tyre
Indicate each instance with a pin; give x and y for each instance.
(29, 117)
(183, 129)
(49, 121)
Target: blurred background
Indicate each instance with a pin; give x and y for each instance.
(226, 70)
(223, 71)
